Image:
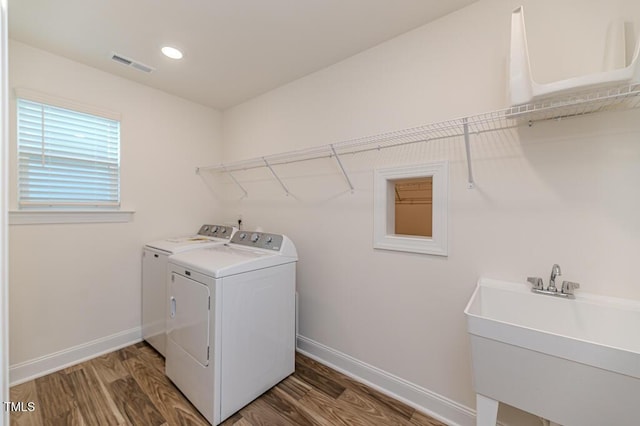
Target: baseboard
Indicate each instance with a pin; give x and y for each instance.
(38, 367)
(424, 400)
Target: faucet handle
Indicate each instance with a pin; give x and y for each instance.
(536, 283)
(568, 287)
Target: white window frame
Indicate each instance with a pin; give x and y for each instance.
(54, 214)
(384, 209)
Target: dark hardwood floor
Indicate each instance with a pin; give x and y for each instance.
(128, 387)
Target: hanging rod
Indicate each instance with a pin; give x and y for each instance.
(578, 104)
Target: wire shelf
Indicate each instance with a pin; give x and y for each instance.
(559, 107)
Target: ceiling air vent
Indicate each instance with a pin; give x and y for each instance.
(131, 63)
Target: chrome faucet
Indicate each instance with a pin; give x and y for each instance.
(555, 271)
(566, 291)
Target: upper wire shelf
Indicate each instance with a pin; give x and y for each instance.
(555, 108)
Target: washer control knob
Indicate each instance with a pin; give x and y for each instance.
(223, 230)
(269, 239)
(243, 236)
(215, 229)
(254, 237)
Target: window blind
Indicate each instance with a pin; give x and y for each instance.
(66, 158)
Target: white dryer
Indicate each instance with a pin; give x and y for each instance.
(231, 323)
(154, 277)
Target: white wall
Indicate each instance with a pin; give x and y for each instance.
(559, 192)
(74, 283)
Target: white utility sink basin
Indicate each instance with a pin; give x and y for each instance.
(574, 362)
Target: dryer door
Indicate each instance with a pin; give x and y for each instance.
(188, 317)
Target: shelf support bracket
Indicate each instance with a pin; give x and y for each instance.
(246, 194)
(467, 145)
(344, 172)
(275, 175)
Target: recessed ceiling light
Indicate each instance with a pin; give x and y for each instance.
(172, 52)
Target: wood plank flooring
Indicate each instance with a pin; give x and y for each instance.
(128, 387)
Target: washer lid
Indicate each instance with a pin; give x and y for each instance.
(208, 235)
(224, 260)
(180, 244)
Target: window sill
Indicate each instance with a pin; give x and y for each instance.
(31, 217)
(411, 244)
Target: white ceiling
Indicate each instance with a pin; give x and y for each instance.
(233, 50)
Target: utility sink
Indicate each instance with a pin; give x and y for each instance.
(573, 362)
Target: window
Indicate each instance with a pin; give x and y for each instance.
(414, 206)
(67, 158)
(411, 207)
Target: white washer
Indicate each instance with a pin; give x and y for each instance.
(154, 277)
(231, 323)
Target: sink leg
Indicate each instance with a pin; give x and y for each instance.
(486, 411)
